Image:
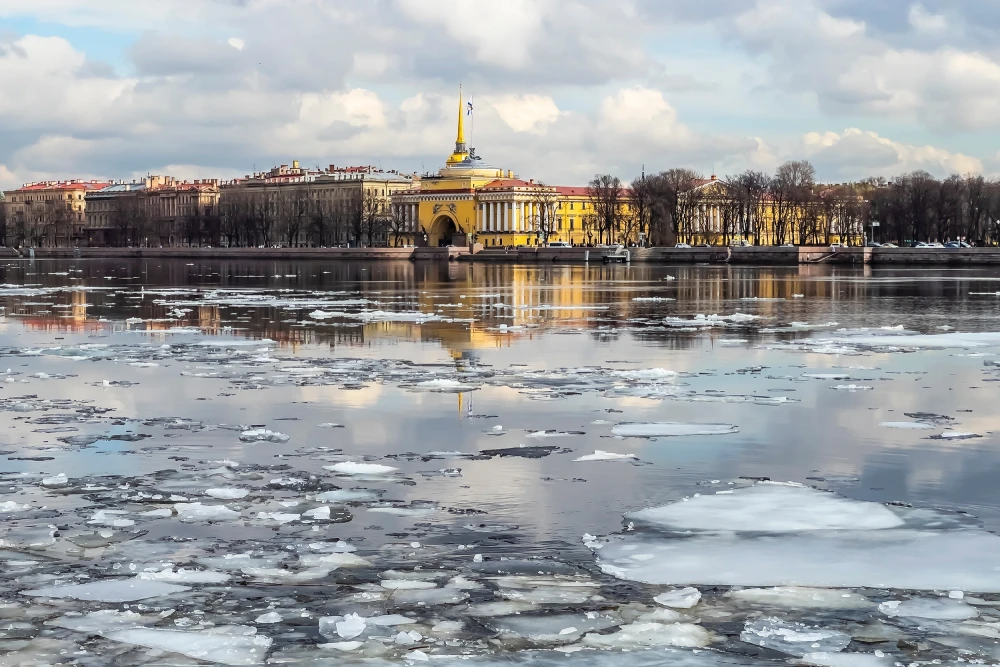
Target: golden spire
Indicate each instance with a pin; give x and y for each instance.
(461, 153)
(460, 141)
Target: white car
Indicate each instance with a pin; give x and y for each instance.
(683, 245)
(560, 244)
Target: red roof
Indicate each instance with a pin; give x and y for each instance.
(572, 190)
(63, 185)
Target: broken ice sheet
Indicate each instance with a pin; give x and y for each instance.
(225, 644)
(791, 535)
(793, 638)
(109, 590)
(670, 429)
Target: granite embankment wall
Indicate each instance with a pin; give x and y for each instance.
(325, 254)
(768, 256)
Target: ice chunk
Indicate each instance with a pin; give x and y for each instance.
(769, 508)
(262, 435)
(228, 493)
(11, 506)
(802, 598)
(186, 576)
(109, 590)
(847, 660)
(948, 340)
(682, 598)
(228, 645)
(551, 628)
(268, 618)
(100, 622)
(354, 468)
(347, 496)
(56, 480)
(640, 635)
(601, 455)
(318, 513)
(352, 626)
(793, 638)
(190, 512)
(945, 609)
(670, 429)
(906, 425)
(796, 536)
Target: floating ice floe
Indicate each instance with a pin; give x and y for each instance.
(943, 609)
(225, 644)
(789, 535)
(902, 340)
(683, 598)
(796, 597)
(601, 455)
(109, 590)
(793, 638)
(190, 512)
(355, 468)
(185, 576)
(670, 429)
(262, 435)
(227, 493)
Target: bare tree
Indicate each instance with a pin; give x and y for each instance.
(641, 195)
(4, 231)
(543, 220)
(374, 215)
(398, 224)
(606, 196)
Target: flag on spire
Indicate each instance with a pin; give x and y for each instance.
(468, 108)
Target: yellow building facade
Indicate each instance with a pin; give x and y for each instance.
(470, 202)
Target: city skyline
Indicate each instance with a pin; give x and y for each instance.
(562, 90)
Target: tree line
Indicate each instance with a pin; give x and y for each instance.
(789, 206)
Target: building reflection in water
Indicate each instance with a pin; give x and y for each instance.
(477, 305)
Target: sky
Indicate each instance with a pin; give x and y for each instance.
(561, 89)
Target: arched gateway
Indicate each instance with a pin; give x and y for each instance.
(443, 232)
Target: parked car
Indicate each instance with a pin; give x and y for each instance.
(742, 243)
(889, 245)
(704, 245)
(957, 244)
(929, 245)
(683, 245)
(787, 245)
(874, 244)
(560, 244)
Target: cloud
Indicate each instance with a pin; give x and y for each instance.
(526, 113)
(844, 154)
(564, 88)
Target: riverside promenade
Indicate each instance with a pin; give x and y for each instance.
(757, 255)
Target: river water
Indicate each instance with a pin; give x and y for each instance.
(301, 462)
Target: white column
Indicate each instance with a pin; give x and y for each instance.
(493, 216)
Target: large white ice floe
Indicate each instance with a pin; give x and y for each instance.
(944, 609)
(226, 644)
(643, 635)
(355, 468)
(670, 429)
(769, 508)
(791, 535)
(109, 590)
(946, 340)
(793, 638)
(796, 597)
(190, 512)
